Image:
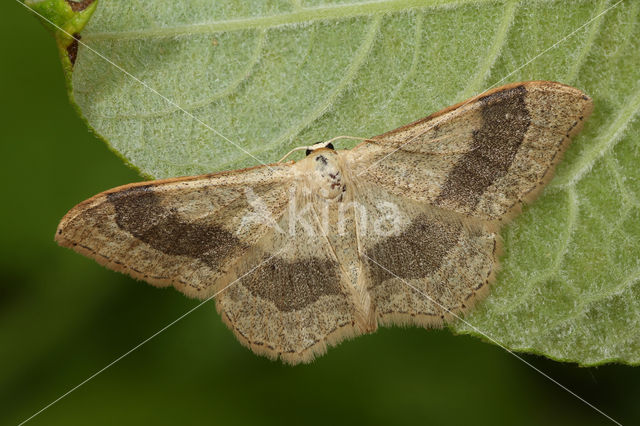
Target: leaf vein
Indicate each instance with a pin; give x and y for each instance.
(414, 62)
(632, 279)
(594, 30)
(627, 196)
(604, 143)
(494, 51)
(302, 16)
(572, 210)
(357, 61)
(231, 88)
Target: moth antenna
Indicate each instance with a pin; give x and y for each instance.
(322, 145)
(330, 141)
(347, 137)
(300, 148)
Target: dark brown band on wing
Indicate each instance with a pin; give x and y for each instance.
(416, 253)
(138, 211)
(494, 147)
(293, 285)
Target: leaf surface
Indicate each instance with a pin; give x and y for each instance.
(272, 75)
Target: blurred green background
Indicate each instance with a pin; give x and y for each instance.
(63, 317)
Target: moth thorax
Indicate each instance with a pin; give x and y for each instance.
(327, 178)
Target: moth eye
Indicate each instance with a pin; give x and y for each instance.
(308, 151)
(330, 146)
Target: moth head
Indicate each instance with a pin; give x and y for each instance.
(317, 146)
(325, 172)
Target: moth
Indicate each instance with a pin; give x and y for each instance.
(402, 229)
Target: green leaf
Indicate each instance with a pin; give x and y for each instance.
(272, 75)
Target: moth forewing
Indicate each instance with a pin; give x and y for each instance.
(482, 157)
(180, 232)
(402, 229)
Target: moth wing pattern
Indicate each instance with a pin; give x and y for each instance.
(423, 265)
(292, 274)
(226, 235)
(292, 300)
(482, 157)
(185, 232)
(458, 174)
